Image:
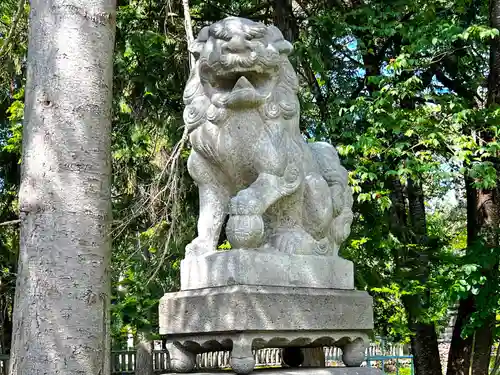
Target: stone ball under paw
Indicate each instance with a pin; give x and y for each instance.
(245, 231)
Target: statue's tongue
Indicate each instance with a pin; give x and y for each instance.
(243, 84)
(243, 94)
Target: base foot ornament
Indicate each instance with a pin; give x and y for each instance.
(353, 353)
(181, 360)
(242, 360)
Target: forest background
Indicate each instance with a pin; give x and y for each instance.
(408, 92)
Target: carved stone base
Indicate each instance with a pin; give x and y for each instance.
(185, 347)
(243, 318)
(265, 267)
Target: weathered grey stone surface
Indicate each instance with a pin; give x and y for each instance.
(271, 268)
(247, 308)
(248, 157)
(306, 371)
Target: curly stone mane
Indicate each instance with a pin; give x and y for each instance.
(270, 60)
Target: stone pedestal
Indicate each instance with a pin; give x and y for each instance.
(242, 318)
(265, 267)
(265, 310)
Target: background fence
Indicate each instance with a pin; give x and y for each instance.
(392, 358)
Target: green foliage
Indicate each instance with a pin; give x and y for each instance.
(397, 87)
(400, 84)
(11, 116)
(225, 245)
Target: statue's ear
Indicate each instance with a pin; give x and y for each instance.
(197, 46)
(274, 33)
(284, 47)
(203, 34)
(278, 41)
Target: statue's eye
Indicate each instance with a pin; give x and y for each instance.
(222, 37)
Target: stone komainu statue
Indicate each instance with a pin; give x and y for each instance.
(248, 157)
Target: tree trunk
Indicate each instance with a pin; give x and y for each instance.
(424, 348)
(483, 341)
(424, 343)
(487, 215)
(494, 76)
(61, 311)
(471, 355)
(144, 355)
(411, 227)
(461, 349)
(188, 25)
(488, 209)
(487, 221)
(459, 356)
(284, 19)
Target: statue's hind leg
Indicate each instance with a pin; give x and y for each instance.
(315, 209)
(318, 206)
(214, 198)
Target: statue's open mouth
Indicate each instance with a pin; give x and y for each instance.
(242, 88)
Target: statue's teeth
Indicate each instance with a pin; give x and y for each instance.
(242, 83)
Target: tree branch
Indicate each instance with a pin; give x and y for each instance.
(10, 222)
(188, 25)
(452, 85)
(10, 35)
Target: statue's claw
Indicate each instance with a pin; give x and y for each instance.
(198, 247)
(245, 203)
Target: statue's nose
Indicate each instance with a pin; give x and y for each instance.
(237, 44)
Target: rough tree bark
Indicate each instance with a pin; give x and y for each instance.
(408, 223)
(494, 76)
(486, 220)
(284, 19)
(188, 26)
(424, 343)
(459, 356)
(61, 318)
(313, 357)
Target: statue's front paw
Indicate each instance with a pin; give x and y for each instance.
(198, 247)
(245, 203)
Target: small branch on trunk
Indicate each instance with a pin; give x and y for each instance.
(11, 222)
